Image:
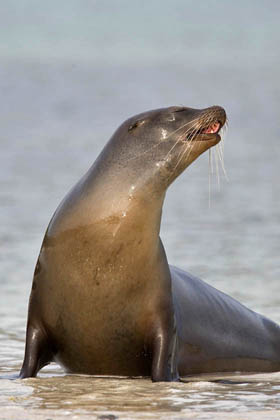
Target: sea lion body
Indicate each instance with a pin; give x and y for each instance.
(221, 334)
(104, 300)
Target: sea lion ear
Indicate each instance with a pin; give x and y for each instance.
(135, 125)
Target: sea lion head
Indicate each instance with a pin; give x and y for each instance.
(154, 147)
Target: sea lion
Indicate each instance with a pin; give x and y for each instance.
(104, 300)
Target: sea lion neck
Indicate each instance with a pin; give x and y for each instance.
(114, 186)
(110, 201)
(131, 200)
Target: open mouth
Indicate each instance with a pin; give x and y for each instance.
(206, 133)
(212, 129)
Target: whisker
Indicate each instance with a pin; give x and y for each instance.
(210, 168)
(217, 168)
(221, 158)
(184, 134)
(184, 125)
(188, 149)
(207, 119)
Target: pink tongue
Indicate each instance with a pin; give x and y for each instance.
(212, 129)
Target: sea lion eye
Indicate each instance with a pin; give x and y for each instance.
(179, 109)
(135, 125)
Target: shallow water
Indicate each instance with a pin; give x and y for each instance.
(57, 113)
(56, 395)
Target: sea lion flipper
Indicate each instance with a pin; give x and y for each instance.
(37, 352)
(164, 365)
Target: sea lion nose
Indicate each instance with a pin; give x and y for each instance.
(217, 113)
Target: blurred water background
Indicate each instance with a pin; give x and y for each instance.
(70, 73)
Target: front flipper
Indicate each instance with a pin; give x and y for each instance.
(38, 352)
(164, 365)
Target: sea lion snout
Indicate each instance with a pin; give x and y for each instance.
(215, 112)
